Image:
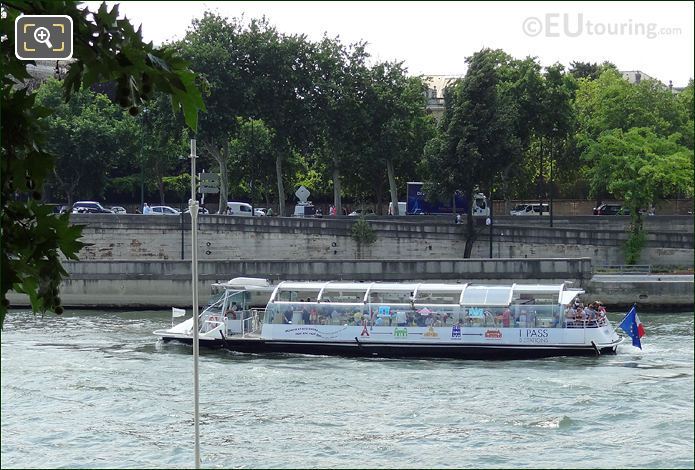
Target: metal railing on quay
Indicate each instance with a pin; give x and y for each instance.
(622, 269)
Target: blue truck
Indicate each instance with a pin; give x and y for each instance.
(419, 204)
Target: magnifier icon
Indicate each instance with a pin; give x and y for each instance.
(43, 36)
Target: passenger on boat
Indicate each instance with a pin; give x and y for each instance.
(287, 316)
(579, 317)
(590, 313)
(505, 317)
(531, 319)
(357, 318)
(429, 321)
(401, 318)
(231, 311)
(601, 314)
(521, 321)
(313, 316)
(305, 314)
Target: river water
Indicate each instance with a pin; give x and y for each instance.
(96, 389)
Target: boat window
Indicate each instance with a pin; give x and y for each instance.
(314, 313)
(487, 296)
(343, 296)
(536, 316)
(390, 297)
(297, 295)
(424, 297)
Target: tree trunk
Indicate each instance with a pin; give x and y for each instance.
(470, 227)
(223, 158)
(379, 193)
(392, 186)
(337, 201)
(281, 186)
(541, 180)
(160, 185)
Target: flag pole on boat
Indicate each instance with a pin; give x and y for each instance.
(193, 208)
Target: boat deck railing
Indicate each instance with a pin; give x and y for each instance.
(586, 323)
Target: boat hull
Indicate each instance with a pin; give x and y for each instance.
(399, 350)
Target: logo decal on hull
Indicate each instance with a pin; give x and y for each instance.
(456, 332)
(430, 333)
(493, 334)
(400, 332)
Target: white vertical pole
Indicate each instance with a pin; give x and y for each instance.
(193, 206)
(202, 196)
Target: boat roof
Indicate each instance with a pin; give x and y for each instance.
(469, 294)
(245, 283)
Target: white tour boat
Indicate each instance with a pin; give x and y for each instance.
(372, 319)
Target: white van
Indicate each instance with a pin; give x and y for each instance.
(402, 207)
(240, 209)
(304, 209)
(530, 209)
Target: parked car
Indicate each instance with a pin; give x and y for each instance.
(530, 208)
(359, 212)
(259, 212)
(164, 210)
(239, 209)
(118, 210)
(89, 207)
(402, 208)
(611, 209)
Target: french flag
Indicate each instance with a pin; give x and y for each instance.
(633, 327)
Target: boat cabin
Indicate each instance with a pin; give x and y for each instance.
(420, 304)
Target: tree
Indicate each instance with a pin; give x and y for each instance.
(106, 48)
(639, 166)
(87, 136)
(164, 141)
(255, 72)
(341, 114)
(399, 126)
(612, 103)
(588, 70)
(213, 45)
(251, 155)
(478, 137)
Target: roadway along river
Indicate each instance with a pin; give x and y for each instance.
(95, 390)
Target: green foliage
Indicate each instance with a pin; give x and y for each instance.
(363, 233)
(634, 244)
(478, 138)
(106, 49)
(89, 136)
(252, 158)
(639, 166)
(180, 184)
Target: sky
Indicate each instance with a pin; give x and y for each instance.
(434, 38)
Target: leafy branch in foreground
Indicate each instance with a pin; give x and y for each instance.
(106, 49)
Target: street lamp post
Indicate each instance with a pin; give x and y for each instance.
(490, 219)
(552, 157)
(193, 207)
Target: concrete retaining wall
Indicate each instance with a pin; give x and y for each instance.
(135, 284)
(655, 292)
(161, 284)
(137, 237)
